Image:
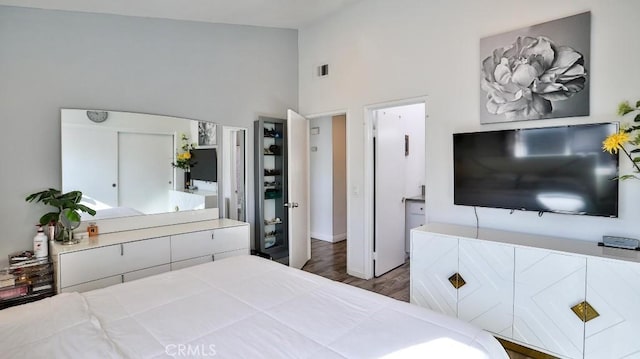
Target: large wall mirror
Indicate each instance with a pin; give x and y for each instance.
(124, 164)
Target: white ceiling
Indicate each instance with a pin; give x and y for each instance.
(291, 14)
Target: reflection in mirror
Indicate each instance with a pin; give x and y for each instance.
(233, 184)
(122, 163)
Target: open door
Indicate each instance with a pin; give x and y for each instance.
(389, 167)
(298, 189)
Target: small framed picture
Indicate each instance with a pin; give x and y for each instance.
(206, 133)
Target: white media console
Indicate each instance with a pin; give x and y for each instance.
(569, 298)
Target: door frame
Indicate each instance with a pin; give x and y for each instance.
(344, 112)
(369, 188)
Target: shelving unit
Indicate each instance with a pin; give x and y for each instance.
(270, 189)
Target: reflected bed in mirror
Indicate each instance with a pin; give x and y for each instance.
(122, 163)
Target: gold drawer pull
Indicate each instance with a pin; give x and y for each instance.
(457, 281)
(585, 311)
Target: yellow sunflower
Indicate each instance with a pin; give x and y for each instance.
(615, 142)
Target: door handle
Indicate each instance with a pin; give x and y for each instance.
(287, 204)
(295, 204)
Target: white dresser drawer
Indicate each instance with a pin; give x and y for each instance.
(147, 272)
(191, 262)
(415, 207)
(94, 284)
(146, 253)
(191, 245)
(237, 252)
(230, 239)
(91, 264)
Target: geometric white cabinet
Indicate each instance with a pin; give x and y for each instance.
(568, 298)
(482, 271)
(434, 259)
(486, 298)
(613, 290)
(547, 285)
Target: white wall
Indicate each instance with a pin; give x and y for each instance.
(339, 127)
(54, 59)
(381, 50)
(321, 178)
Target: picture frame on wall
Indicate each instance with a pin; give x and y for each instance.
(206, 134)
(536, 72)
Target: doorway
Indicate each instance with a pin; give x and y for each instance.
(395, 162)
(328, 184)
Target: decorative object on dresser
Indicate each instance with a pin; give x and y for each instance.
(67, 205)
(628, 135)
(568, 298)
(26, 280)
(537, 72)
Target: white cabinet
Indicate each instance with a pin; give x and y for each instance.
(481, 271)
(547, 285)
(102, 262)
(486, 299)
(434, 259)
(414, 217)
(568, 298)
(203, 246)
(613, 289)
(129, 255)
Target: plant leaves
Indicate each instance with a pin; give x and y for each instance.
(49, 217)
(626, 177)
(83, 208)
(636, 150)
(637, 118)
(638, 104)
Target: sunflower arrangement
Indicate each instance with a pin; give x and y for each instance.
(184, 159)
(628, 135)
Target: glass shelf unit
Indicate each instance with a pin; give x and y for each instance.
(271, 237)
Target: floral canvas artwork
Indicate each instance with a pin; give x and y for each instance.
(206, 133)
(537, 72)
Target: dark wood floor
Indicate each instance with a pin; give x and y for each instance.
(329, 260)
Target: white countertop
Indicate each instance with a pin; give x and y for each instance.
(564, 245)
(108, 239)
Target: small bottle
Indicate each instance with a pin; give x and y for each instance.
(40, 244)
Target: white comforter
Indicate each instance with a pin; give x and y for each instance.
(240, 307)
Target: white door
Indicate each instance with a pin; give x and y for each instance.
(298, 189)
(389, 162)
(90, 164)
(144, 171)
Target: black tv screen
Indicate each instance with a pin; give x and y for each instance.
(206, 165)
(553, 169)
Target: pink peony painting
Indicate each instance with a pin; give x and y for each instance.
(537, 72)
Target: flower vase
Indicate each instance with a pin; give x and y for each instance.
(187, 180)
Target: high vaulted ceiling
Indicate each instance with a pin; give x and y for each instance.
(291, 14)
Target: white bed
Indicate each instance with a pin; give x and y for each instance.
(240, 307)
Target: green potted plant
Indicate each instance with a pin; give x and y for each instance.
(69, 203)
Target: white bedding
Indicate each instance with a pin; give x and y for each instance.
(240, 307)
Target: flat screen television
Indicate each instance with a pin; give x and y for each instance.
(551, 169)
(206, 165)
